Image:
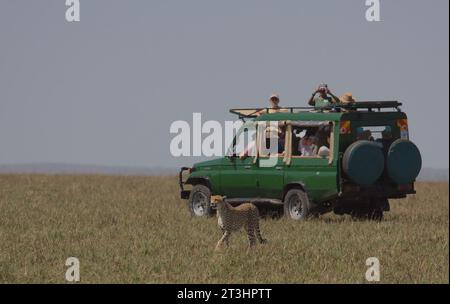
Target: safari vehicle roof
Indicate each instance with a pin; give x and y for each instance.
(305, 116)
(334, 113)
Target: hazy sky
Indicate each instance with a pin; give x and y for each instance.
(106, 89)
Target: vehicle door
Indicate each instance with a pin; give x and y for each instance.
(239, 170)
(272, 142)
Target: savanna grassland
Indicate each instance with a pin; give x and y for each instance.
(137, 230)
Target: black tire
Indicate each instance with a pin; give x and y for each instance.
(200, 201)
(377, 208)
(270, 212)
(375, 214)
(296, 205)
(372, 210)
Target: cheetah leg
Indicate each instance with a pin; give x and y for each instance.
(251, 236)
(224, 238)
(227, 238)
(258, 234)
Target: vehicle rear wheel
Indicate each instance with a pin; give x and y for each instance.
(296, 205)
(199, 201)
(375, 214)
(372, 210)
(377, 208)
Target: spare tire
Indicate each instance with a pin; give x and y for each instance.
(363, 162)
(403, 161)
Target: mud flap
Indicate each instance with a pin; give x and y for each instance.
(384, 204)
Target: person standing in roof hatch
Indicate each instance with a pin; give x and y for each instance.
(274, 107)
(274, 101)
(325, 98)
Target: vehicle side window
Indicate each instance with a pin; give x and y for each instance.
(244, 143)
(311, 141)
(272, 139)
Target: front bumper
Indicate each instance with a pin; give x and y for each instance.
(184, 194)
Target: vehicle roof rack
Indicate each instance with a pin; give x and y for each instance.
(394, 104)
(253, 112)
(369, 105)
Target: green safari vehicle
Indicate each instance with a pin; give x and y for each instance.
(350, 159)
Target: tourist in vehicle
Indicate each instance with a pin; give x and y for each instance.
(307, 146)
(347, 98)
(324, 151)
(322, 135)
(274, 101)
(281, 142)
(281, 139)
(362, 134)
(325, 98)
(275, 136)
(386, 139)
(387, 133)
(274, 105)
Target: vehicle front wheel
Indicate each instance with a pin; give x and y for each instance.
(199, 201)
(296, 205)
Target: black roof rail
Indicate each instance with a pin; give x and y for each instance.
(369, 105)
(372, 105)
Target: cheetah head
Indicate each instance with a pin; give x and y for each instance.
(217, 199)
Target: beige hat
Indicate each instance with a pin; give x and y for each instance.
(347, 98)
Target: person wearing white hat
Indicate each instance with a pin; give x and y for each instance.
(274, 101)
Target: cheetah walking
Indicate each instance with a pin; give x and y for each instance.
(234, 218)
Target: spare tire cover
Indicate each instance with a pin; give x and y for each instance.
(363, 162)
(403, 161)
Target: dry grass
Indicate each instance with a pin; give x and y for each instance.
(137, 230)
